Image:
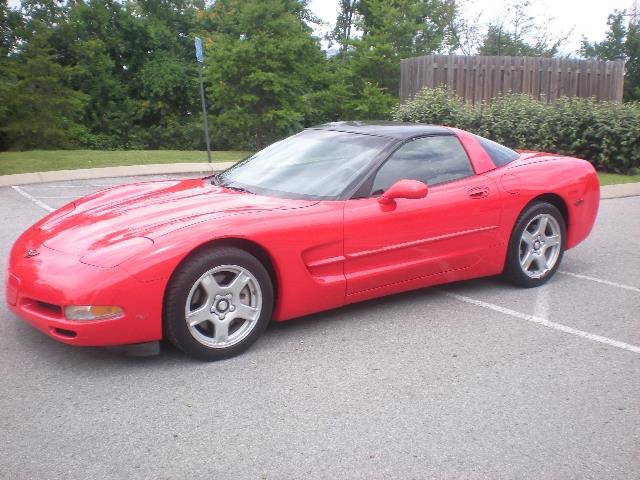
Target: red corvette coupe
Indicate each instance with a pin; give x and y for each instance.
(333, 215)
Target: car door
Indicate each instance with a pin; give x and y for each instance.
(453, 227)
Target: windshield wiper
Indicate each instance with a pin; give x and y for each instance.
(215, 179)
(237, 189)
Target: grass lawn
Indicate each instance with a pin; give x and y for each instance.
(614, 178)
(47, 160)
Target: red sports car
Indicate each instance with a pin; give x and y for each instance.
(333, 215)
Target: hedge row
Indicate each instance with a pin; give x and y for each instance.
(606, 134)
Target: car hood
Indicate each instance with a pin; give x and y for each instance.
(147, 210)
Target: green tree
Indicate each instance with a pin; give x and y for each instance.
(99, 41)
(622, 42)
(499, 42)
(613, 46)
(41, 111)
(11, 22)
(134, 62)
(374, 35)
(46, 13)
(518, 33)
(132, 59)
(345, 23)
(262, 65)
(397, 29)
(632, 76)
(341, 94)
(165, 79)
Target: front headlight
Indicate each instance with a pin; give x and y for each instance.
(83, 313)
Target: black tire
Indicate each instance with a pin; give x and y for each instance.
(198, 280)
(514, 271)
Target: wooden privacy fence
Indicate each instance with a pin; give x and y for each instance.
(477, 79)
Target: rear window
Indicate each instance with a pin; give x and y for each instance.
(500, 154)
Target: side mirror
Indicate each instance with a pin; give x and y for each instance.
(411, 189)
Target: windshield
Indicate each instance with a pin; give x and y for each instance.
(315, 164)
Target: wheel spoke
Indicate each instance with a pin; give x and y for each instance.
(221, 333)
(198, 316)
(527, 238)
(246, 312)
(542, 226)
(542, 263)
(210, 285)
(552, 241)
(526, 261)
(238, 283)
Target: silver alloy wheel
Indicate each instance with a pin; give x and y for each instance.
(223, 306)
(540, 245)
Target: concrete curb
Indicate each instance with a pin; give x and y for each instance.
(609, 191)
(620, 191)
(107, 172)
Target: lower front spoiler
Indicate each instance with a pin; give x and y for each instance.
(147, 349)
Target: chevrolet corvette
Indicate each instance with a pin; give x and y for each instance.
(336, 214)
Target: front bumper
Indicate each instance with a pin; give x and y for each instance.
(38, 289)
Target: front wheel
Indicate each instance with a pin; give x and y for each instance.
(536, 246)
(218, 303)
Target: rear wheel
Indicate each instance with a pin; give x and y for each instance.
(218, 303)
(536, 246)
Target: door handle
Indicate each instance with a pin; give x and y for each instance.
(479, 192)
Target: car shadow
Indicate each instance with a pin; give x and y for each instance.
(371, 311)
(395, 301)
(49, 351)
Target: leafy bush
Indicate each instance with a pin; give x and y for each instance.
(606, 134)
(433, 105)
(515, 120)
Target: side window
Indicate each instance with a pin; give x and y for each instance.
(500, 155)
(431, 160)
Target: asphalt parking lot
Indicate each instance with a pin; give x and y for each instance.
(473, 380)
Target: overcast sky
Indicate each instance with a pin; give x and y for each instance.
(586, 17)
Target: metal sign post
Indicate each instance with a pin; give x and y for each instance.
(200, 60)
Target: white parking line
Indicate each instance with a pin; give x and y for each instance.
(33, 199)
(542, 306)
(600, 280)
(88, 184)
(545, 322)
(46, 185)
(57, 197)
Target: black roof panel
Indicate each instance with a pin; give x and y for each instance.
(401, 131)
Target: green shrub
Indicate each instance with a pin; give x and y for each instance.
(433, 105)
(606, 134)
(618, 128)
(515, 120)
